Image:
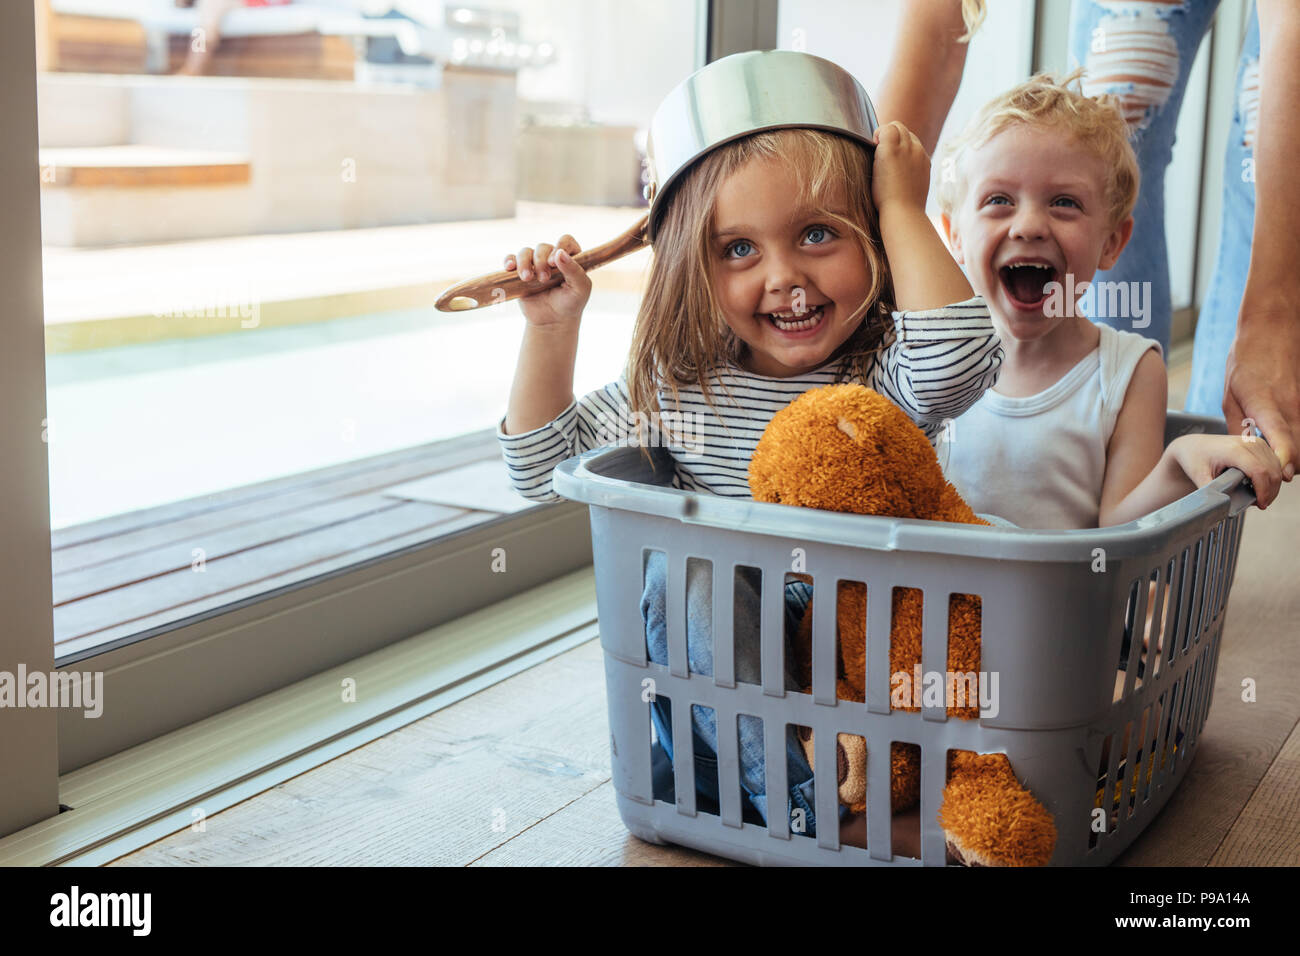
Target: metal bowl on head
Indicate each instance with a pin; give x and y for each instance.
(732, 97)
(742, 94)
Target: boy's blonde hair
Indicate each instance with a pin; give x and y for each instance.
(680, 336)
(1044, 102)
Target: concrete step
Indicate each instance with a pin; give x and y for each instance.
(140, 165)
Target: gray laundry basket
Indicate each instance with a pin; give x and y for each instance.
(1060, 610)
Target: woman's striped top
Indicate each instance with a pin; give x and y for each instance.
(941, 362)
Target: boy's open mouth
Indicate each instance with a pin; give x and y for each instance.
(1026, 282)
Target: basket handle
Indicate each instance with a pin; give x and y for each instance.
(1241, 494)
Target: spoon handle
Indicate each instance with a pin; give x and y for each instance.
(505, 285)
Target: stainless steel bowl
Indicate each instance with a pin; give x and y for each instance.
(745, 93)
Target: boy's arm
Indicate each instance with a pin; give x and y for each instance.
(1131, 490)
(1195, 460)
(1165, 483)
(1135, 447)
(925, 274)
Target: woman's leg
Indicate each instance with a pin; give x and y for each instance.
(1217, 324)
(1141, 51)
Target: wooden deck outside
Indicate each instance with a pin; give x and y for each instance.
(120, 576)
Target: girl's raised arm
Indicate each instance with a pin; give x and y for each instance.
(925, 274)
(946, 352)
(543, 385)
(940, 363)
(544, 425)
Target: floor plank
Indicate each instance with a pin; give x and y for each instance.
(589, 832)
(445, 790)
(1268, 831)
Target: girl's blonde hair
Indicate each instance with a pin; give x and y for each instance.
(1095, 123)
(680, 336)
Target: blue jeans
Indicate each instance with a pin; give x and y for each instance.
(699, 643)
(1173, 31)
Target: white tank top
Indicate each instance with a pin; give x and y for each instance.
(1039, 460)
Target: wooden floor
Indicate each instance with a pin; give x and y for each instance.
(124, 575)
(519, 774)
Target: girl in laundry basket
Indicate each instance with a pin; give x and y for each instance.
(784, 259)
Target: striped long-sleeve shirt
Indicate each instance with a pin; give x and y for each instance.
(940, 363)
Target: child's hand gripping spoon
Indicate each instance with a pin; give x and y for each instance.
(506, 285)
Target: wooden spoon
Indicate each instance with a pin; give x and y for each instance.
(506, 285)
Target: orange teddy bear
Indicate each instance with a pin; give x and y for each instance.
(847, 448)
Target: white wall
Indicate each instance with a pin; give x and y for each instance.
(618, 59)
(859, 35)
